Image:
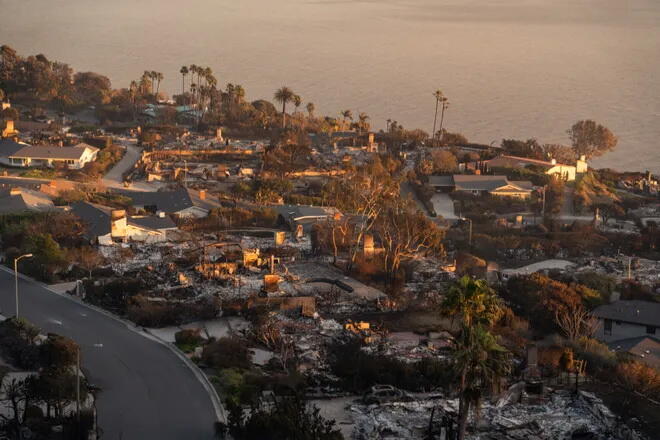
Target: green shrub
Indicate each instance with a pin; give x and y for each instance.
(227, 353)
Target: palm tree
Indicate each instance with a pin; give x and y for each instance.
(132, 93)
(445, 106)
(481, 363)
(473, 301)
(239, 92)
(193, 90)
(297, 101)
(346, 115)
(310, 109)
(193, 70)
(284, 95)
(439, 97)
(183, 72)
(389, 121)
(159, 77)
(363, 124)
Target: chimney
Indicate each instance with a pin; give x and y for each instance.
(202, 194)
(118, 223)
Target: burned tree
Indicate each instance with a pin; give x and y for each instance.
(405, 234)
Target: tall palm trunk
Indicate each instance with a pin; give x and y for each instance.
(463, 411)
(435, 119)
(442, 119)
(284, 114)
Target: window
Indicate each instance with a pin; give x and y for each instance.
(608, 327)
(650, 330)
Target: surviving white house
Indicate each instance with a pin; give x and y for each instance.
(627, 319)
(18, 154)
(551, 167)
(477, 184)
(106, 225)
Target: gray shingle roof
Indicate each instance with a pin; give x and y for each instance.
(97, 220)
(467, 182)
(9, 147)
(645, 347)
(24, 200)
(51, 152)
(296, 212)
(172, 201)
(447, 181)
(635, 312)
(152, 222)
(95, 217)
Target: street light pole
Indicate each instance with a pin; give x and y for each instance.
(470, 230)
(470, 235)
(16, 277)
(78, 388)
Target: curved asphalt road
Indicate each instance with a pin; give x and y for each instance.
(147, 392)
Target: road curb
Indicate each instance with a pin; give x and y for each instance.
(199, 374)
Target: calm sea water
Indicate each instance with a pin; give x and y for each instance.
(511, 68)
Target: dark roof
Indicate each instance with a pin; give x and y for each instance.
(51, 152)
(297, 212)
(635, 312)
(524, 184)
(9, 147)
(95, 217)
(446, 181)
(20, 200)
(478, 182)
(97, 220)
(172, 201)
(645, 347)
(152, 222)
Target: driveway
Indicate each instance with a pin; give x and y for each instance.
(115, 177)
(147, 392)
(407, 190)
(443, 206)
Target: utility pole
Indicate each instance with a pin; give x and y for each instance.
(78, 390)
(470, 236)
(630, 268)
(469, 230)
(16, 277)
(437, 96)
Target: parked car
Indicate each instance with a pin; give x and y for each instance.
(384, 394)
